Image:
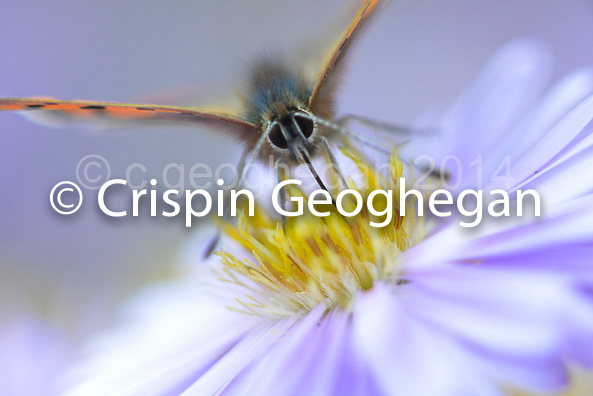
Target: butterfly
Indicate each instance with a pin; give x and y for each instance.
(287, 113)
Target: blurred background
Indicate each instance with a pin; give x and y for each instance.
(64, 275)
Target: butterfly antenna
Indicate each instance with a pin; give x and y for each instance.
(277, 171)
(303, 157)
(247, 159)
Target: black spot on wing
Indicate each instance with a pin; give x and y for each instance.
(92, 107)
(144, 108)
(35, 106)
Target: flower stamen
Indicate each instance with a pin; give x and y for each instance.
(318, 259)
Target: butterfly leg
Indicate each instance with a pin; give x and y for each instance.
(246, 159)
(383, 126)
(395, 130)
(346, 132)
(227, 207)
(332, 159)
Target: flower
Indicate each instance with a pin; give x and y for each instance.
(335, 306)
(34, 348)
(33, 354)
(319, 260)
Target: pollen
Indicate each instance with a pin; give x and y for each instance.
(318, 259)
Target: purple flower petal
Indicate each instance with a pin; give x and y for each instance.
(406, 356)
(482, 119)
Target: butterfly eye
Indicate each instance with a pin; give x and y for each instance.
(277, 137)
(306, 125)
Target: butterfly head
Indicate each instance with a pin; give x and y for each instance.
(293, 133)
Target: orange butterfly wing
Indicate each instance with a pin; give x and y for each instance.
(111, 113)
(340, 50)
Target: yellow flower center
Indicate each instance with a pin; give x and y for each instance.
(319, 259)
